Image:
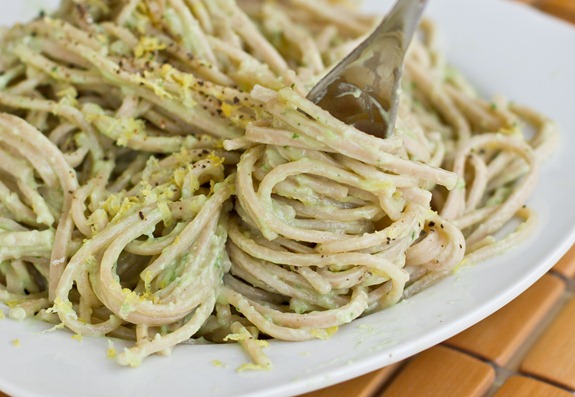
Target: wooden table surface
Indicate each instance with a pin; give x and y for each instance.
(564, 9)
(505, 355)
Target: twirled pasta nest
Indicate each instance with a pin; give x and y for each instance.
(163, 178)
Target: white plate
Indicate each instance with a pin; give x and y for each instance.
(504, 48)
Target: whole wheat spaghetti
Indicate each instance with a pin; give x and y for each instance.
(164, 179)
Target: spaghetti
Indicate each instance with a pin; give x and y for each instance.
(163, 177)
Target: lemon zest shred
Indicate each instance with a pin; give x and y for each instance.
(219, 364)
(148, 45)
(64, 307)
(54, 328)
(325, 333)
(237, 337)
(252, 367)
(130, 358)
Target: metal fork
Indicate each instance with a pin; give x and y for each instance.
(363, 89)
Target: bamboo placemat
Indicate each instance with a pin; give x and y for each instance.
(506, 355)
